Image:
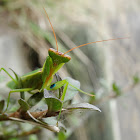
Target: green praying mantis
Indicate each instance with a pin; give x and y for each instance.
(41, 79)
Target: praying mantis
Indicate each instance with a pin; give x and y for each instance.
(41, 79)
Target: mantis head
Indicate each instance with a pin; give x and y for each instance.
(58, 57)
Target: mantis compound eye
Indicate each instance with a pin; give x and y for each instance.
(52, 86)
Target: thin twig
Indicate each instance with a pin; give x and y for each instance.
(112, 95)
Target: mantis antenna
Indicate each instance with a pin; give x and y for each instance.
(94, 42)
(52, 28)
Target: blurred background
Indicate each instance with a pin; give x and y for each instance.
(26, 36)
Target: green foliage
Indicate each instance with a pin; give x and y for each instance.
(53, 103)
(83, 106)
(33, 137)
(61, 136)
(23, 104)
(116, 89)
(34, 99)
(136, 79)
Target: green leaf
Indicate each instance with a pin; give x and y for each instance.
(1, 105)
(54, 104)
(61, 136)
(34, 99)
(83, 106)
(71, 92)
(136, 79)
(23, 104)
(33, 137)
(116, 89)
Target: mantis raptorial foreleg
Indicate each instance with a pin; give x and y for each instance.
(58, 78)
(62, 99)
(58, 85)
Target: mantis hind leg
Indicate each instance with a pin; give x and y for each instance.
(8, 74)
(16, 90)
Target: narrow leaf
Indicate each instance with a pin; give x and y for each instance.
(61, 136)
(54, 104)
(34, 99)
(83, 106)
(23, 104)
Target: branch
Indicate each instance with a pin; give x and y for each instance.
(22, 134)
